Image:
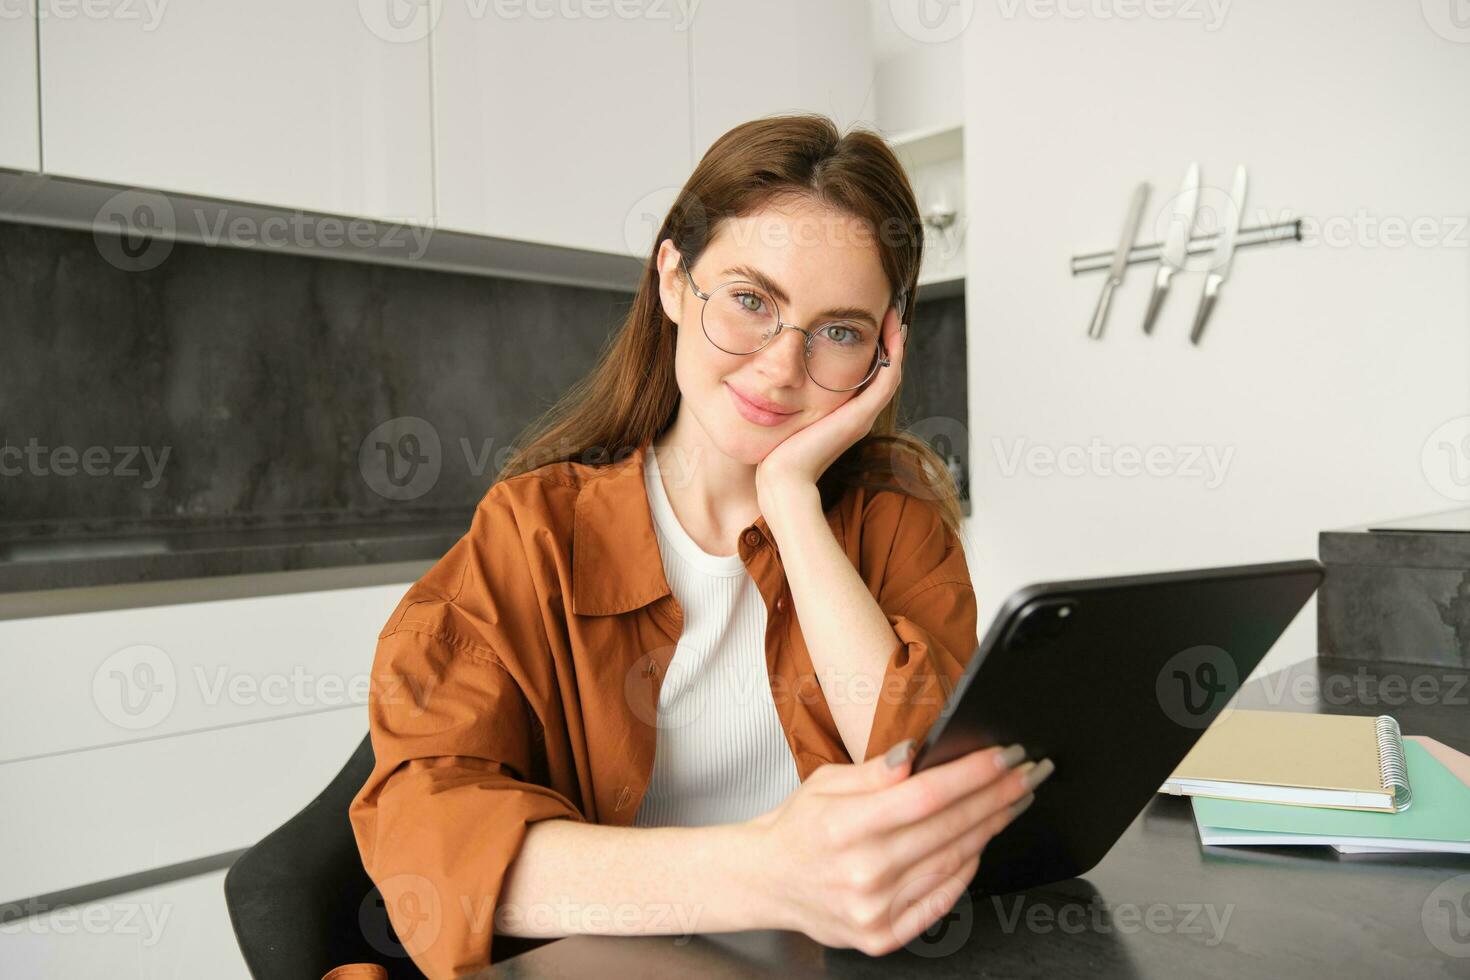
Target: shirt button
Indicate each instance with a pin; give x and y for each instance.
(752, 537)
(649, 668)
(623, 797)
(781, 604)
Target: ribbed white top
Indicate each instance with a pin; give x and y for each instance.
(721, 755)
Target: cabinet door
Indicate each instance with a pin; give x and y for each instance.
(553, 125)
(20, 141)
(312, 106)
(753, 58)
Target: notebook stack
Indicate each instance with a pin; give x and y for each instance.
(1355, 783)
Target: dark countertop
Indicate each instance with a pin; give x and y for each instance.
(122, 555)
(1160, 904)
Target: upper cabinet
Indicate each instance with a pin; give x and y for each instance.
(526, 123)
(20, 135)
(311, 106)
(753, 58)
(579, 130)
(561, 129)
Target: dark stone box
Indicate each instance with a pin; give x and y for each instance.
(1397, 591)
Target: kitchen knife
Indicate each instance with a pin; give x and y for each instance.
(1224, 255)
(1120, 260)
(1176, 243)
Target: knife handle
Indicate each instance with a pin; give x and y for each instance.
(1206, 306)
(1156, 298)
(1100, 315)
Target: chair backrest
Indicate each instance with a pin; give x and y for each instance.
(301, 902)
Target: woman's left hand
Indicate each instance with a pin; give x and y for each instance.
(804, 456)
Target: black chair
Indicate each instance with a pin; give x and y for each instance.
(301, 902)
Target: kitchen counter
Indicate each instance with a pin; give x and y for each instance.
(164, 552)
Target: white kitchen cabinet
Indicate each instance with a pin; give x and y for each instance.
(310, 106)
(195, 728)
(564, 130)
(179, 929)
(20, 137)
(752, 58)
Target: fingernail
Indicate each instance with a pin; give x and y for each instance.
(898, 753)
(1037, 776)
(1011, 755)
(1019, 807)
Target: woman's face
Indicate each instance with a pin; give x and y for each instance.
(822, 261)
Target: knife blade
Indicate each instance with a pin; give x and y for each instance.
(1120, 259)
(1224, 255)
(1176, 243)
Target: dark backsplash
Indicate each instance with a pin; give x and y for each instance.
(260, 376)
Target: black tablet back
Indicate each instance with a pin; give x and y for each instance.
(1114, 679)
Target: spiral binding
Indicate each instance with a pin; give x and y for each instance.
(1391, 764)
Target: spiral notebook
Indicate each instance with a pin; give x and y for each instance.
(1346, 761)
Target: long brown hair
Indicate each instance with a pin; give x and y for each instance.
(632, 395)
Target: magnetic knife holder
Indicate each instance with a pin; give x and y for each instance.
(1282, 231)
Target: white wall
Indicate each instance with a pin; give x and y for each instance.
(1324, 369)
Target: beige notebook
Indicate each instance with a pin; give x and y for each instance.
(1344, 761)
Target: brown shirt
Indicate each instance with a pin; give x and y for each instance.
(518, 680)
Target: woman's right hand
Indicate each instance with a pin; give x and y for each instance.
(866, 856)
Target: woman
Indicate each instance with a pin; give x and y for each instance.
(671, 679)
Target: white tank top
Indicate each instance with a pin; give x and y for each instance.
(721, 756)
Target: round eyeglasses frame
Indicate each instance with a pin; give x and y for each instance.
(880, 361)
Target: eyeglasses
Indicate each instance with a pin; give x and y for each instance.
(739, 317)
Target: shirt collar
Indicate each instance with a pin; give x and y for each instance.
(616, 564)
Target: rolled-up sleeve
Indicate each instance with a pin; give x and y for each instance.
(929, 600)
(452, 791)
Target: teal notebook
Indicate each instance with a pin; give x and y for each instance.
(1440, 811)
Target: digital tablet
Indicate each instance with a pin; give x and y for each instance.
(1114, 679)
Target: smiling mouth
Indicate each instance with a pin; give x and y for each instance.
(758, 406)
